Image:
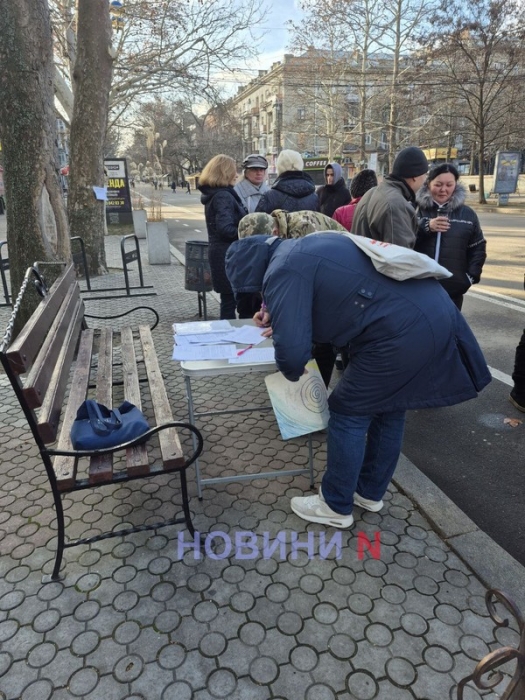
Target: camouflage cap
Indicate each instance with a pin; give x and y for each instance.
(255, 224)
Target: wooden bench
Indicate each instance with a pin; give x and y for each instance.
(110, 366)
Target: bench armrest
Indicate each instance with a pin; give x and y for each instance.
(137, 441)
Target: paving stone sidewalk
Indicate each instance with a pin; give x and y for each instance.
(143, 618)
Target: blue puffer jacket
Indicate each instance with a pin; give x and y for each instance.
(223, 210)
(292, 191)
(409, 346)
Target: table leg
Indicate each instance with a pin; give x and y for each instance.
(191, 417)
(311, 459)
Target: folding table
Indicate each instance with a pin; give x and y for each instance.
(199, 369)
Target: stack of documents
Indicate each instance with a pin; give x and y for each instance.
(219, 340)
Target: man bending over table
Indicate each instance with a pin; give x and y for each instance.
(409, 348)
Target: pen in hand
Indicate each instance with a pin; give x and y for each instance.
(241, 352)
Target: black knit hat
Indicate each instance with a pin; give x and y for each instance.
(410, 162)
(362, 182)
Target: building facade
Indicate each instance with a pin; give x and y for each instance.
(311, 104)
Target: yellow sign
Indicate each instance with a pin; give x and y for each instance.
(441, 153)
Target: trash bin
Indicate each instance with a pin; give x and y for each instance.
(198, 274)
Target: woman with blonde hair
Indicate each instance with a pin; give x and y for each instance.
(223, 209)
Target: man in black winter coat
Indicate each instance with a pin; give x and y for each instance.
(335, 193)
(294, 190)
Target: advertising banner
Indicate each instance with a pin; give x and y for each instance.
(118, 205)
(506, 172)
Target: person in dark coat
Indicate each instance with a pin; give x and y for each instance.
(223, 210)
(517, 394)
(335, 193)
(449, 230)
(387, 212)
(410, 348)
(293, 190)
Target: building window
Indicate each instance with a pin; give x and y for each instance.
(301, 113)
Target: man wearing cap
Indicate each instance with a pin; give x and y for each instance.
(387, 212)
(252, 185)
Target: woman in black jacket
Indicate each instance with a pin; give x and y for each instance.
(223, 210)
(449, 230)
(293, 190)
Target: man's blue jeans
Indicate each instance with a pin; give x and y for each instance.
(362, 454)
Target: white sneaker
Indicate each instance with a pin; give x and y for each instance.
(315, 510)
(367, 504)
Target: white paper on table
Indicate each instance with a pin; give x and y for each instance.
(254, 356)
(248, 335)
(202, 327)
(203, 352)
(300, 407)
(203, 338)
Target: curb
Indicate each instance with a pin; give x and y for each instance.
(494, 566)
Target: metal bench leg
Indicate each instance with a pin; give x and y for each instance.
(191, 416)
(185, 502)
(55, 576)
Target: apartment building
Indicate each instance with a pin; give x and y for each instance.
(310, 103)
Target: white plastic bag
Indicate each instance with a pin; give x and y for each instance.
(398, 262)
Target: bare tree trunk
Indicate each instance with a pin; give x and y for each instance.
(92, 81)
(392, 127)
(481, 177)
(362, 107)
(36, 217)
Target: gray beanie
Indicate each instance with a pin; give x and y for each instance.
(410, 162)
(289, 160)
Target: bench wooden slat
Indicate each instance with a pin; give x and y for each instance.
(25, 347)
(49, 417)
(170, 446)
(66, 467)
(40, 374)
(101, 467)
(136, 457)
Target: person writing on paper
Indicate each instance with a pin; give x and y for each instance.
(409, 346)
(295, 225)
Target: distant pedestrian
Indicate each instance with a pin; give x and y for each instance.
(132, 183)
(188, 188)
(173, 186)
(155, 184)
(334, 193)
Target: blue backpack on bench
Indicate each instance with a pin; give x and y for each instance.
(97, 427)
